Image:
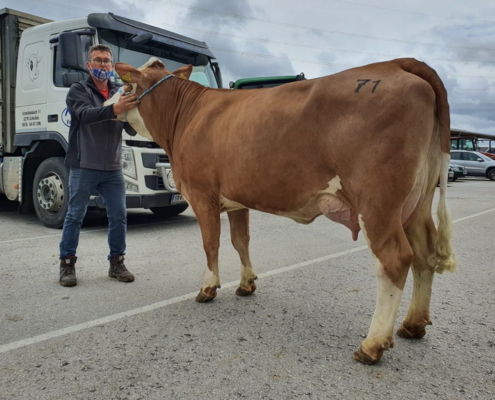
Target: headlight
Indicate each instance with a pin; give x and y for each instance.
(170, 179)
(128, 164)
(131, 187)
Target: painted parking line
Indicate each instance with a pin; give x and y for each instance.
(58, 235)
(105, 320)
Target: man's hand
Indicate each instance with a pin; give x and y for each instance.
(125, 103)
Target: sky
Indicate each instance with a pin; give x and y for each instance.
(253, 38)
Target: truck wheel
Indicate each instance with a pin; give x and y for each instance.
(51, 192)
(169, 211)
(491, 174)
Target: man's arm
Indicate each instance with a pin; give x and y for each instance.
(80, 104)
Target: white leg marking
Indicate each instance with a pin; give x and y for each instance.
(212, 279)
(388, 300)
(247, 273)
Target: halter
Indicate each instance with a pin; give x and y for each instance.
(154, 86)
(147, 91)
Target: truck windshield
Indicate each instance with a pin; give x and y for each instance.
(137, 54)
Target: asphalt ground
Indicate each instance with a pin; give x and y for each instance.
(293, 339)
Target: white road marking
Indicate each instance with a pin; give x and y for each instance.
(474, 215)
(89, 231)
(105, 320)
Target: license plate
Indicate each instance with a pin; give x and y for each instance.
(177, 198)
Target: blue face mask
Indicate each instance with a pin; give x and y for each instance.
(101, 74)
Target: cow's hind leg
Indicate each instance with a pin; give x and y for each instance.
(239, 233)
(209, 223)
(422, 235)
(393, 256)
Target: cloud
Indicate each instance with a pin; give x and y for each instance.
(238, 59)
(199, 14)
(321, 37)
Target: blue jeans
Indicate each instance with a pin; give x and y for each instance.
(82, 184)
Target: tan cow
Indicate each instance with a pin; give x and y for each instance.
(364, 147)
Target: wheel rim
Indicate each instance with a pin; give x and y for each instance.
(51, 193)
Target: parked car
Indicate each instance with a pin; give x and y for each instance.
(476, 164)
(458, 171)
(451, 176)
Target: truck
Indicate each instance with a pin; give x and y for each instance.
(474, 141)
(265, 82)
(39, 60)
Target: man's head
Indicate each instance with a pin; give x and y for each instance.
(100, 62)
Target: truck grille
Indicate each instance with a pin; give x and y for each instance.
(150, 160)
(154, 182)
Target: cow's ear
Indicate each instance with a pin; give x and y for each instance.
(40, 58)
(128, 73)
(158, 64)
(183, 72)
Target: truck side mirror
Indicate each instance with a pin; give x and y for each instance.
(70, 77)
(218, 74)
(72, 55)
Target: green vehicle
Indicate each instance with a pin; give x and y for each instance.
(265, 82)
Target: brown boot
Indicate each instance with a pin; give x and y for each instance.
(118, 270)
(68, 271)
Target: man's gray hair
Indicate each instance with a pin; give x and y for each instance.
(99, 47)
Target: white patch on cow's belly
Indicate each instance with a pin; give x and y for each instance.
(314, 208)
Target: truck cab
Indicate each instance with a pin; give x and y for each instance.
(46, 61)
(265, 82)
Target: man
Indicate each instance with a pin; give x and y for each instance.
(94, 158)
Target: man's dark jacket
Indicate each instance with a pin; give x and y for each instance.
(95, 138)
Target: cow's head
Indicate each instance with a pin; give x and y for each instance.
(32, 64)
(147, 75)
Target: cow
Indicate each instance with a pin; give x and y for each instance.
(365, 147)
(32, 64)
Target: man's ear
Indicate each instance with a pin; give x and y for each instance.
(128, 73)
(183, 72)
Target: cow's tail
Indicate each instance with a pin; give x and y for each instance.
(444, 258)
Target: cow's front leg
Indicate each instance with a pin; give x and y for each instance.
(209, 223)
(239, 233)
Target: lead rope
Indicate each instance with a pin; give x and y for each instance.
(154, 86)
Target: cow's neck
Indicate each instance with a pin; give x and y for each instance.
(179, 99)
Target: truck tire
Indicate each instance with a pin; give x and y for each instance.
(169, 211)
(51, 192)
